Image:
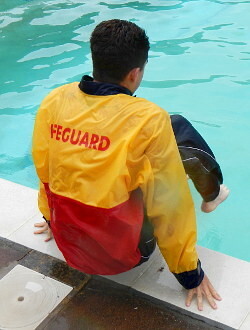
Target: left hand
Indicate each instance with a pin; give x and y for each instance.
(44, 227)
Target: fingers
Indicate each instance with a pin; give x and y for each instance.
(40, 231)
(40, 224)
(44, 227)
(190, 297)
(210, 292)
(206, 289)
(214, 293)
(199, 299)
(210, 299)
(49, 236)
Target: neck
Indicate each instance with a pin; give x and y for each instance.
(128, 86)
(122, 84)
(95, 87)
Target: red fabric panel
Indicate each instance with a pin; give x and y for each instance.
(97, 240)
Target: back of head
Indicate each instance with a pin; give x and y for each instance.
(117, 47)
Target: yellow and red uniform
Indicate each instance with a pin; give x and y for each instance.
(102, 159)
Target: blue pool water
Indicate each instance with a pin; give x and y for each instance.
(199, 66)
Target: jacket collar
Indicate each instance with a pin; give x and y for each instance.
(89, 86)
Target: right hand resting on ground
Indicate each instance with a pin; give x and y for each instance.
(44, 227)
(204, 289)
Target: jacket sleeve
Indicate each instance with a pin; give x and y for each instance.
(43, 202)
(170, 206)
(40, 153)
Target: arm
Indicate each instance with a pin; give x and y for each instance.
(169, 203)
(170, 207)
(40, 153)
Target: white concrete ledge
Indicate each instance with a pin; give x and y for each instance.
(230, 276)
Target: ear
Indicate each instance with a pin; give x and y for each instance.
(133, 74)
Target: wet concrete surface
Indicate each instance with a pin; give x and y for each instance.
(95, 303)
(54, 268)
(10, 255)
(103, 304)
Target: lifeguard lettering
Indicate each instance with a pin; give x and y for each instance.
(77, 137)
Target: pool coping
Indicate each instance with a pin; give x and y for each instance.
(225, 272)
(124, 307)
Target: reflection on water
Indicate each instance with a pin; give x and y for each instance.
(145, 6)
(176, 83)
(198, 66)
(205, 123)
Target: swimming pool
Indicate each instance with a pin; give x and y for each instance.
(199, 67)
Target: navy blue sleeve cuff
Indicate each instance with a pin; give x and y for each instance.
(191, 279)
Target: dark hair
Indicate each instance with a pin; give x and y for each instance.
(117, 47)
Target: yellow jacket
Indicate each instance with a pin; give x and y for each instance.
(91, 153)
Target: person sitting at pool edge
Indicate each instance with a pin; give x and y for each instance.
(112, 182)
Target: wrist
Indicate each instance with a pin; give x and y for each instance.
(47, 221)
(191, 279)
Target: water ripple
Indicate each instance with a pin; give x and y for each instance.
(217, 27)
(176, 83)
(229, 2)
(173, 46)
(206, 123)
(246, 82)
(65, 16)
(6, 20)
(49, 52)
(144, 6)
